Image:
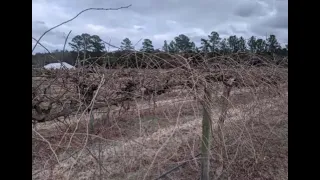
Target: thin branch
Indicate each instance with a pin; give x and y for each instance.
(111, 44)
(41, 45)
(174, 168)
(50, 147)
(46, 49)
(137, 42)
(64, 46)
(88, 9)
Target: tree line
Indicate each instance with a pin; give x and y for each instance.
(86, 46)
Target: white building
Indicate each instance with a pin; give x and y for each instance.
(62, 65)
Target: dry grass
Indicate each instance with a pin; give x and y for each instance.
(126, 154)
(161, 131)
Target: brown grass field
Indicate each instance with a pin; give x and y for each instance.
(146, 136)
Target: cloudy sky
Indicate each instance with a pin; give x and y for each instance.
(159, 20)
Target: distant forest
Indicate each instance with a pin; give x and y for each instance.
(92, 49)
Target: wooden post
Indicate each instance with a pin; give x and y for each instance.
(206, 135)
(207, 127)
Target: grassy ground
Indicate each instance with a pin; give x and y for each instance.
(147, 141)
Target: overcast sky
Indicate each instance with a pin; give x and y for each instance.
(159, 20)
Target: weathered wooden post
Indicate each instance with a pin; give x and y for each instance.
(206, 134)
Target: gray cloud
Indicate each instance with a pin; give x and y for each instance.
(278, 22)
(160, 20)
(249, 8)
(275, 23)
(39, 27)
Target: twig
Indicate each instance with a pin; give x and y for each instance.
(109, 44)
(98, 9)
(64, 46)
(174, 168)
(54, 153)
(41, 45)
